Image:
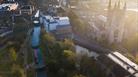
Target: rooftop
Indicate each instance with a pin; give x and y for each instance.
(124, 62)
(9, 6)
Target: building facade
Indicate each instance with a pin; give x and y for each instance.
(115, 22)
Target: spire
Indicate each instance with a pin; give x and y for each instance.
(118, 4)
(109, 5)
(125, 6)
(115, 5)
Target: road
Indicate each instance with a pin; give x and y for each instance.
(24, 49)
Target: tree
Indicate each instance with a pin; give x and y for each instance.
(68, 44)
(62, 60)
(16, 74)
(132, 43)
(137, 58)
(79, 75)
(13, 53)
(69, 54)
(48, 39)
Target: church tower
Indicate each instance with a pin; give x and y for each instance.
(115, 22)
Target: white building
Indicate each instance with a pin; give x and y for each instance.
(9, 6)
(60, 26)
